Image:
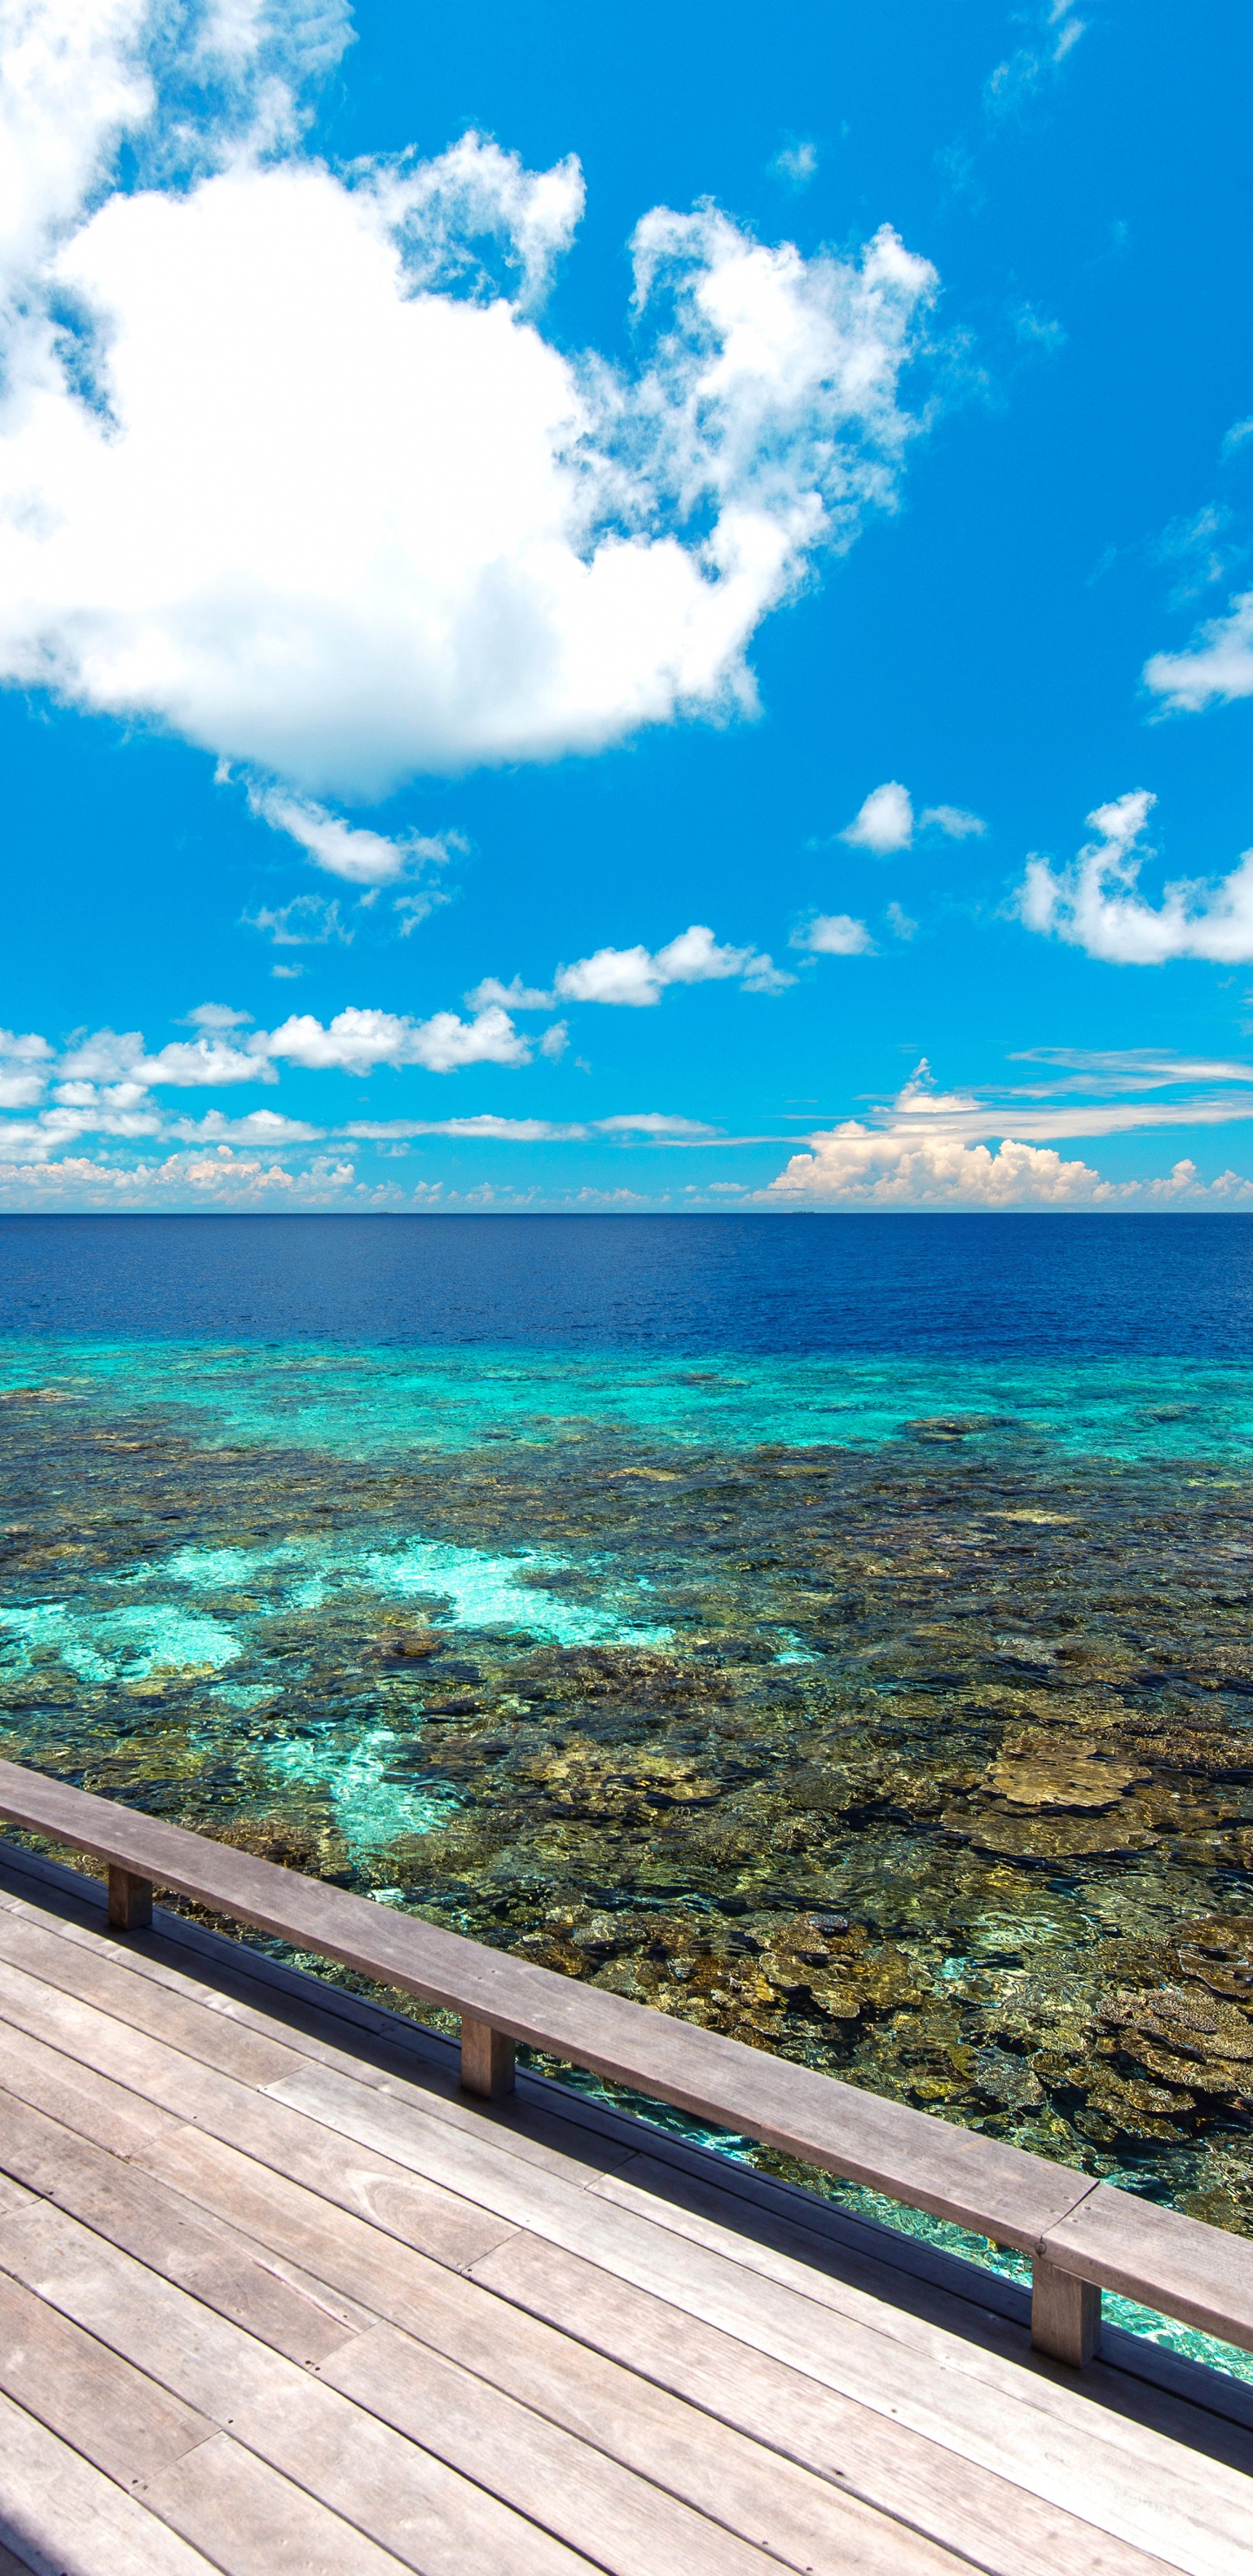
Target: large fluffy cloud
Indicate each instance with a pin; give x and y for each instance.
(287, 466)
(858, 1166)
(1095, 904)
(957, 1150)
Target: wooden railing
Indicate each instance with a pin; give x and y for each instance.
(1081, 2236)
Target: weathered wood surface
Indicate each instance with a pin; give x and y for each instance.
(274, 2294)
(1066, 2224)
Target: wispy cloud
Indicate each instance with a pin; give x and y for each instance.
(307, 921)
(1022, 74)
(651, 1126)
(795, 164)
(363, 858)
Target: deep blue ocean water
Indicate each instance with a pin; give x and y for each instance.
(963, 1287)
(238, 1451)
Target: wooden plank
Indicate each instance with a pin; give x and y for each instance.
(870, 2459)
(291, 2312)
(388, 2488)
(258, 2523)
(403, 2204)
(710, 2467)
(232, 2090)
(96, 1975)
(1199, 2274)
(62, 2517)
(623, 2522)
(98, 2403)
(908, 2154)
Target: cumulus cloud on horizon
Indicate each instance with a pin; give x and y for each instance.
(938, 1149)
(288, 467)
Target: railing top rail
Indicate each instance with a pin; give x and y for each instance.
(1055, 2215)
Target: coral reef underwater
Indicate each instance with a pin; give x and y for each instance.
(928, 1761)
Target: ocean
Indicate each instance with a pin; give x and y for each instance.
(835, 1630)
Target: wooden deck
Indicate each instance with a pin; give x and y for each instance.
(276, 2295)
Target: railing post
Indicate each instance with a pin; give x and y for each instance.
(1065, 2314)
(486, 2059)
(130, 1901)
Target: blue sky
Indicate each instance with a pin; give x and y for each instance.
(626, 611)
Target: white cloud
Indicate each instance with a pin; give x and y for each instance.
(795, 163)
(653, 1125)
(331, 506)
(930, 1148)
(1038, 331)
(1128, 1068)
(506, 1131)
(24, 1063)
(1218, 664)
(834, 934)
(636, 977)
(357, 1040)
(363, 858)
(654, 1122)
(859, 1166)
(554, 1041)
(185, 1179)
(885, 822)
(216, 1015)
(1094, 904)
(952, 820)
(307, 921)
(516, 996)
(203, 1063)
(1238, 436)
(1018, 78)
(899, 922)
(260, 1127)
(1198, 547)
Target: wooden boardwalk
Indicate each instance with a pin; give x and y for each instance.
(275, 2295)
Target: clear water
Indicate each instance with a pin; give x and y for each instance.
(838, 1632)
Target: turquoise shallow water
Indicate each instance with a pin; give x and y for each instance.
(705, 1648)
(380, 1402)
